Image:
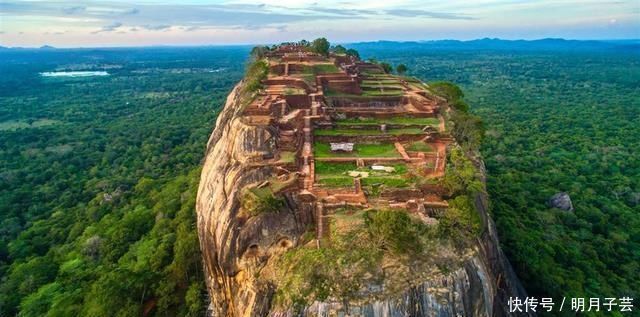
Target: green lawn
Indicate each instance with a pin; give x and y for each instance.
(327, 168)
(387, 181)
(335, 182)
(392, 86)
(294, 91)
(382, 93)
(419, 146)
(335, 175)
(382, 81)
(357, 132)
(322, 149)
(394, 120)
(321, 69)
(380, 76)
(333, 93)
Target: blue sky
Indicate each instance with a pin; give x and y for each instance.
(196, 22)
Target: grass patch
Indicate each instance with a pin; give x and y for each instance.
(379, 82)
(382, 93)
(346, 132)
(328, 168)
(320, 69)
(261, 192)
(335, 175)
(381, 86)
(322, 149)
(334, 93)
(335, 182)
(287, 156)
(387, 181)
(358, 132)
(394, 120)
(294, 91)
(419, 146)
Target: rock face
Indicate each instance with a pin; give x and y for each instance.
(561, 201)
(235, 247)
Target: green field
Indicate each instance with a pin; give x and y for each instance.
(334, 174)
(360, 132)
(374, 85)
(419, 146)
(380, 82)
(320, 69)
(323, 150)
(394, 120)
(332, 169)
(375, 93)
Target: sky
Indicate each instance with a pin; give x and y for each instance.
(98, 23)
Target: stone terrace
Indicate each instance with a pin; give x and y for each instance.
(319, 105)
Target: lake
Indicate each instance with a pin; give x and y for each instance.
(74, 74)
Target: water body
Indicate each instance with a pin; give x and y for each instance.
(74, 74)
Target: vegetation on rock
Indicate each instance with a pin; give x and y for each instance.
(556, 121)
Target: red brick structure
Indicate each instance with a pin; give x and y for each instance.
(296, 102)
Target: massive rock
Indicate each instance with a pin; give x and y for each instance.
(235, 247)
(561, 201)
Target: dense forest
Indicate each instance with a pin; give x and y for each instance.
(556, 121)
(98, 174)
(98, 177)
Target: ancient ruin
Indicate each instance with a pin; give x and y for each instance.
(350, 134)
(320, 166)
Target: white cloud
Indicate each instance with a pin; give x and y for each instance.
(177, 21)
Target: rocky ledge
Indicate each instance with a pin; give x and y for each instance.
(243, 250)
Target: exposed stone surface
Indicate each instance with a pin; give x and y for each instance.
(561, 201)
(239, 250)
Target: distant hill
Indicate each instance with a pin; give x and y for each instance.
(549, 44)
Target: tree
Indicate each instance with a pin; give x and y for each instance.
(468, 129)
(259, 52)
(386, 67)
(394, 230)
(447, 90)
(320, 46)
(401, 69)
(339, 49)
(354, 53)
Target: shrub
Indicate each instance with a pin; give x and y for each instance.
(309, 274)
(401, 69)
(339, 49)
(386, 67)
(395, 231)
(256, 203)
(354, 53)
(468, 129)
(447, 90)
(461, 221)
(461, 176)
(256, 72)
(320, 46)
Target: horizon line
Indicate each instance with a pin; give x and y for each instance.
(48, 46)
